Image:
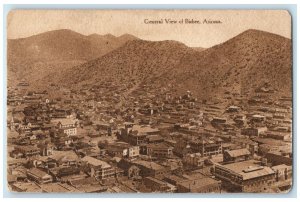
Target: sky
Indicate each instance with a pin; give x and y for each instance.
(25, 23)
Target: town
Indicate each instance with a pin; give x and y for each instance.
(124, 139)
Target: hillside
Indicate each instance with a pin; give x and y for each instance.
(136, 61)
(38, 55)
(239, 65)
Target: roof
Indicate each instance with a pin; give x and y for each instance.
(27, 186)
(156, 180)
(149, 164)
(95, 162)
(27, 148)
(249, 169)
(37, 172)
(281, 166)
(64, 121)
(64, 156)
(154, 137)
(160, 146)
(198, 183)
(144, 129)
(238, 152)
(174, 178)
(54, 188)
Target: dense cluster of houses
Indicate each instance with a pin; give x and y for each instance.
(99, 139)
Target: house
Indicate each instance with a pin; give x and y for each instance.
(46, 149)
(55, 188)
(217, 120)
(182, 148)
(72, 131)
(151, 169)
(253, 131)
(247, 143)
(25, 187)
(257, 118)
(62, 172)
(282, 172)
(66, 125)
(199, 185)
(194, 160)
(245, 176)
(146, 168)
(157, 150)
(154, 139)
(279, 135)
(137, 134)
(122, 149)
(61, 141)
(39, 176)
(133, 151)
(206, 146)
(99, 169)
(44, 162)
(278, 157)
(156, 185)
(236, 155)
(133, 172)
(65, 158)
(233, 108)
(27, 151)
(88, 185)
(174, 179)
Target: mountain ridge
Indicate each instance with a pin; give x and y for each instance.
(239, 65)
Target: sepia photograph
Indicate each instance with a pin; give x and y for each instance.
(149, 101)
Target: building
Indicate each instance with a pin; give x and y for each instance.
(236, 155)
(206, 147)
(199, 184)
(87, 185)
(278, 135)
(65, 158)
(157, 150)
(137, 134)
(66, 125)
(25, 187)
(217, 121)
(71, 131)
(154, 139)
(27, 151)
(257, 118)
(253, 131)
(122, 149)
(39, 176)
(194, 160)
(156, 185)
(245, 176)
(277, 158)
(233, 108)
(133, 151)
(151, 169)
(282, 172)
(99, 169)
(65, 122)
(146, 168)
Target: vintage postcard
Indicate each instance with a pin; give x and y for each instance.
(149, 101)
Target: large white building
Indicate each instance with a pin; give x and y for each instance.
(67, 125)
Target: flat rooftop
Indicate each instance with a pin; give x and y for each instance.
(198, 183)
(149, 164)
(249, 169)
